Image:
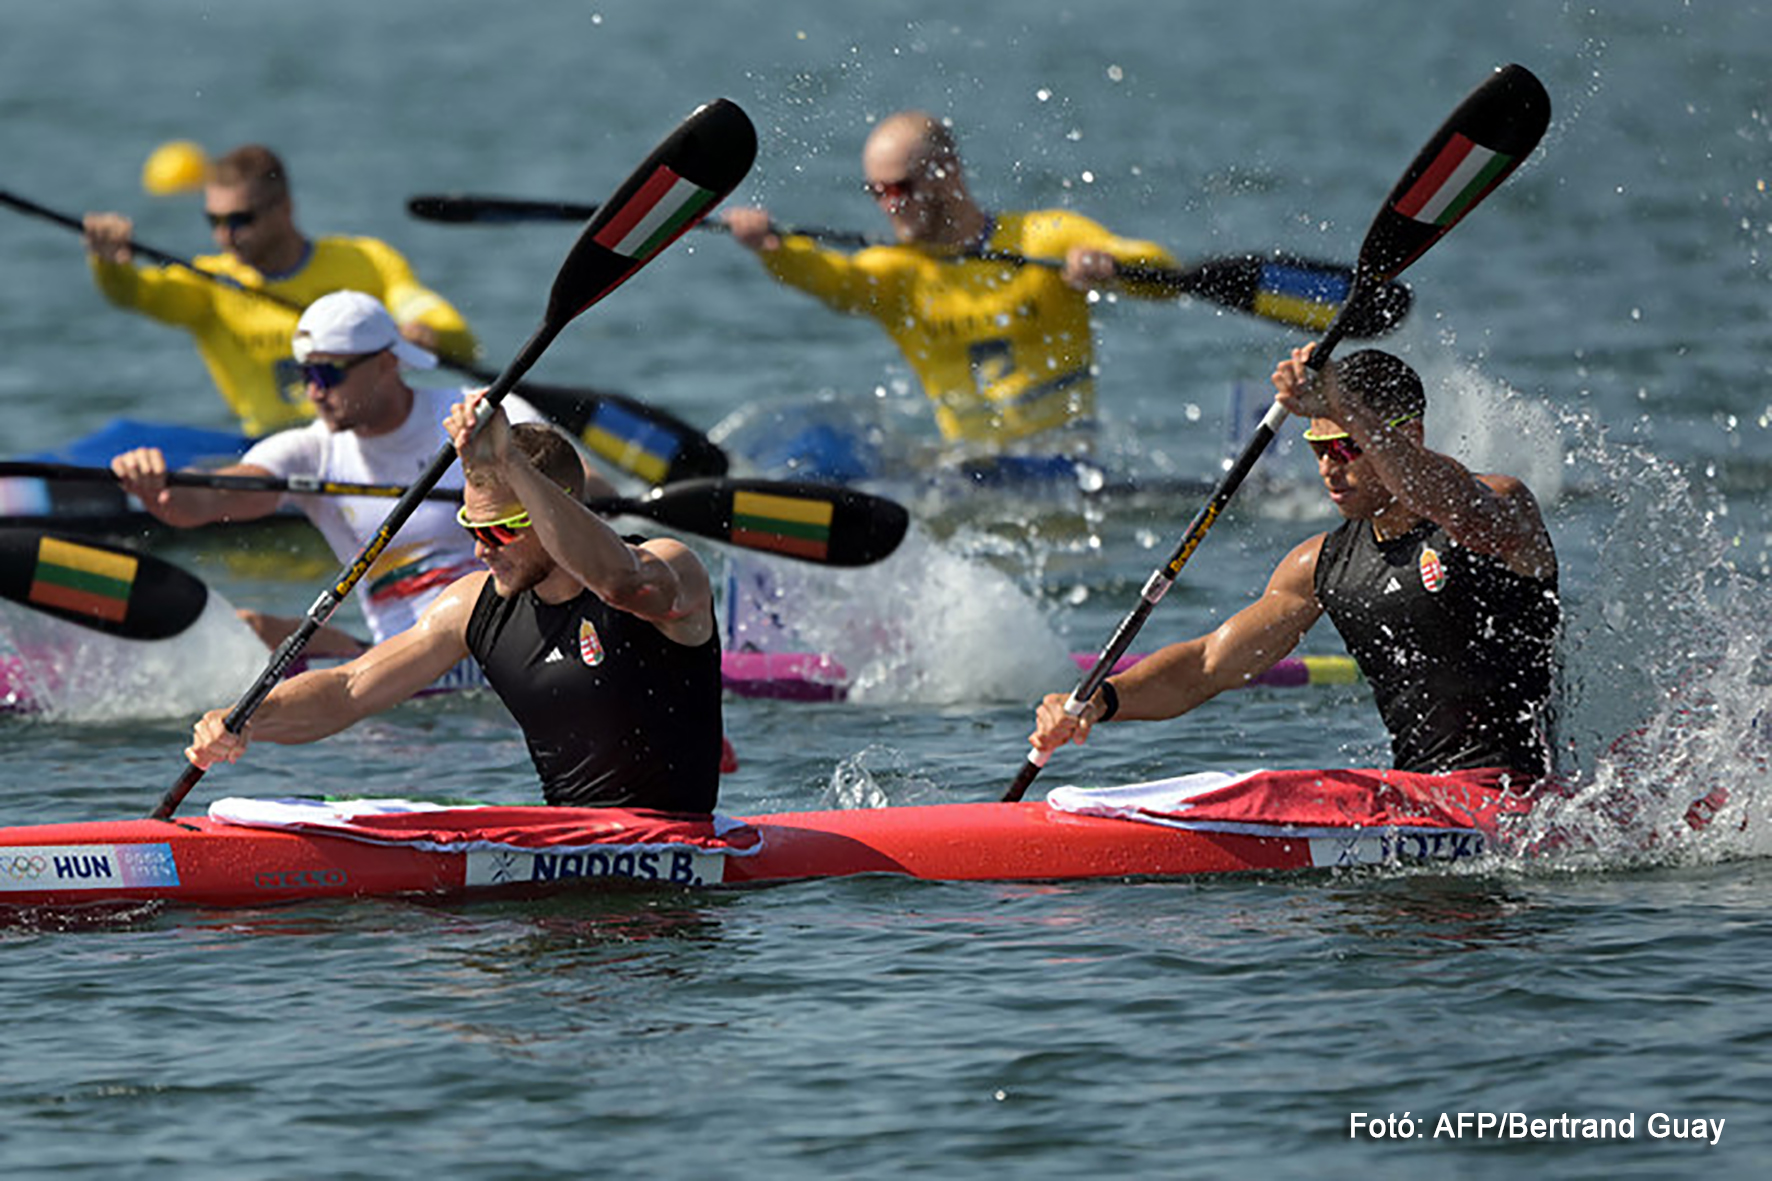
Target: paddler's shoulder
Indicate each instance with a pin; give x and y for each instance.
(1042, 233)
(450, 611)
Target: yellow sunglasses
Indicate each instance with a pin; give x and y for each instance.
(1340, 446)
(493, 534)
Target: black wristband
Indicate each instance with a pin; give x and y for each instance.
(1110, 696)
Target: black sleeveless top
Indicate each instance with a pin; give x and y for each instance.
(1458, 649)
(616, 714)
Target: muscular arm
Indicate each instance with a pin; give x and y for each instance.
(661, 581)
(857, 285)
(142, 473)
(1093, 256)
(1488, 514)
(1182, 676)
(321, 702)
(166, 294)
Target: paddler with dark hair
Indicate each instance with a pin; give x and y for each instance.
(1441, 581)
(604, 648)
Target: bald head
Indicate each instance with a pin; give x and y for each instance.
(914, 138)
(912, 164)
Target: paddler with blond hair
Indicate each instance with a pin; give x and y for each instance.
(244, 339)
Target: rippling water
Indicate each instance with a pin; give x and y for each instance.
(1598, 326)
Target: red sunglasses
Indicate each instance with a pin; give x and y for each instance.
(890, 190)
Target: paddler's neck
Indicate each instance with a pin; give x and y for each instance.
(393, 407)
(288, 256)
(561, 586)
(966, 227)
(1393, 522)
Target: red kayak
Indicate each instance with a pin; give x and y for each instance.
(281, 851)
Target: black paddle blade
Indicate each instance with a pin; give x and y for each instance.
(1485, 138)
(693, 170)
(116, 591)
(820, 523)
(1304, 292)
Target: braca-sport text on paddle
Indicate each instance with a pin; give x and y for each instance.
(694, 169)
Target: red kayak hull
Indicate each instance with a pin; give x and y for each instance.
(205, 862)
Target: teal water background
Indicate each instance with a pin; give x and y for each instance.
(1599, 327)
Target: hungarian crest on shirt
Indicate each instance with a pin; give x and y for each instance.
(590, 647)
(1433, 574)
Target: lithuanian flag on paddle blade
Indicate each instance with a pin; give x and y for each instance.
(83, 580)
(98, 586)
(795, 525)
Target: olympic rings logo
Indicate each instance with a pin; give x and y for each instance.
(23, 867)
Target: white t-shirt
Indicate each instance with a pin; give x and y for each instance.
(430, 551)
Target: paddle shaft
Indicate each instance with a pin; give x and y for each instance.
(1242, 283)
(468, 209)
(1158, 584)
(1298, 292)
(1511, 111)
(563, 403)
(172, 260)
(861, 528)
(300, 485)
(690, 172)
(353, 572)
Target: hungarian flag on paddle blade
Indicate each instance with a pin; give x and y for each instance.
(1490, 134)
(693, 170)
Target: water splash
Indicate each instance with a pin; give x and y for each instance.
(1665, 719)
(927, 625)
(62, 672)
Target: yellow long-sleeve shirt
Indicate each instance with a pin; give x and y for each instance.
(1004, 351)
(244, 339)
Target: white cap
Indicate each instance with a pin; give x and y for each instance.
(352, 324)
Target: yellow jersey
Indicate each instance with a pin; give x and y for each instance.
(245, 339)
(1004, 351)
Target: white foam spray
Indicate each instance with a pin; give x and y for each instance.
(925, 625)
(61, 671)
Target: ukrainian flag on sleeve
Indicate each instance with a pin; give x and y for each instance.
(83, 580)
(786, 524)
